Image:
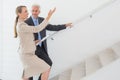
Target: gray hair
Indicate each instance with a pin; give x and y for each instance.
(36, 5)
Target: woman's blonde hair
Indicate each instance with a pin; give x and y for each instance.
(18, 10)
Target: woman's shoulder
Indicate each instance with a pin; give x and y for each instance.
(22, 23)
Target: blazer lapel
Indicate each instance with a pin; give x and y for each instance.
(42, 33)
(31, 21)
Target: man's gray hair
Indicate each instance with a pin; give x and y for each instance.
(36, 5)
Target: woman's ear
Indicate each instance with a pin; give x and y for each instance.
(19, 14)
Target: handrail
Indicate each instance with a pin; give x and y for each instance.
(89, 14)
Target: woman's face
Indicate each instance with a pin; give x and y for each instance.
(24, 13)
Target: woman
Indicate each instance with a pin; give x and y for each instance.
(31, 63)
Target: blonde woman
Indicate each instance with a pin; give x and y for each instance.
(31, 63)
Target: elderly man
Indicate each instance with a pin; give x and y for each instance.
(41, 49)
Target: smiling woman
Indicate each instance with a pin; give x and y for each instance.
(32, 65)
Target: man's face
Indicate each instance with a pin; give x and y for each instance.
(35, 11)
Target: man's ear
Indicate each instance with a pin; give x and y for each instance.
(39, 11)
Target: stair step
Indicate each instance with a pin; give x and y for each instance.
(55, 78)
(116, 48)
(107, 56)
(110, 72)
(66, 75)
(92, 64)
(78, 71)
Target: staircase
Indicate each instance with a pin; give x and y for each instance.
(91, 64)
(94, 62)
(88, 63)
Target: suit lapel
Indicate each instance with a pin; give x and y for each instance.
(31, 21)
(42, 33)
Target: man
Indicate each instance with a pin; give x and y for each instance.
(41, 49)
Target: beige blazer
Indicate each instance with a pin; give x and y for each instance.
(26, 37)
(32, 65)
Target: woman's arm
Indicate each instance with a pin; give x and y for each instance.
(26, 28)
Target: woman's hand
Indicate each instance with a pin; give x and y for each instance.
(50, 13)
(37, 41)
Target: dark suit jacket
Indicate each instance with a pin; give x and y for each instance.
(50, 27)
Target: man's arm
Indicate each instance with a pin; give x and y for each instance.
(55, 27)
(58, 27)
(52, 27)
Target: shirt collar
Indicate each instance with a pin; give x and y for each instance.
(34, 19)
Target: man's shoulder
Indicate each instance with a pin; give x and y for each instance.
(41, 18)
(28, 19)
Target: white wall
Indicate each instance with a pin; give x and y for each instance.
(1, 40)
(67, 10)
(89, 36)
